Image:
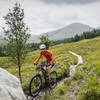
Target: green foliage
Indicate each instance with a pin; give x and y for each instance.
(62, 57)
(86, 87)
(45, 40)
(97, 70)
(87, 67)
(91, 81)
(3, 50)
(78, 75)
(16, 35)
(61, 90)
(90, 94)
(89, 49)
(91, 91)
(33, 46)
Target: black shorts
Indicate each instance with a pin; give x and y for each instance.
(51, 64)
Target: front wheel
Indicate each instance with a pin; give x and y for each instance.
(35, 85)
(53, 81)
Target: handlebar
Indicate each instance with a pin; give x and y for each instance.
(40, 66)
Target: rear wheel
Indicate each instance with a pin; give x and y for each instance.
(35, 85)
(53, 81)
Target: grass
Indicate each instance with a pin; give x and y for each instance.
(62, 57)
(86, 86)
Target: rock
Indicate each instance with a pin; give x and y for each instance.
(10, 87)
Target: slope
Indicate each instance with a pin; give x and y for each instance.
(81, 85)
(85, 83)
(69, 31)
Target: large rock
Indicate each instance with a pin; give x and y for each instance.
(10, 87)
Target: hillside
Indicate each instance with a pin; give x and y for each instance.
(34, 38)
(83, 85)
(1, 36)
(28, 69)
(66, 32)
(69, 31)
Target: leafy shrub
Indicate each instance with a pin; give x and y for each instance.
(87, 66)
(78, 75)
(61, 90)
(91, 91)
(90, 94)
(97, 70)
(92, 81)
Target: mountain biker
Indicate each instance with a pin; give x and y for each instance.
(49, 58)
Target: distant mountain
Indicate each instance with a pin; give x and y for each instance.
(69, 31)
(98, 28)
(66, 32)
(34, 38)
(1, 36)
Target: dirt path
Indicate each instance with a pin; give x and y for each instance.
(72, 67)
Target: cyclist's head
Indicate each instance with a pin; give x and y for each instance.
(42, 46)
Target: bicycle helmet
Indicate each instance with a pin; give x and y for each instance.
(42, 46)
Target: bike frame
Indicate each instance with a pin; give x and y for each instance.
(44, 73)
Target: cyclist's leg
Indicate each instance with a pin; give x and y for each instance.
(52, 64)
(45, 68)
(48, 69)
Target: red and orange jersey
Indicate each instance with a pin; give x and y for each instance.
(48, 55)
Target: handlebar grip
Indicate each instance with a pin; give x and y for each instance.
(35, 63)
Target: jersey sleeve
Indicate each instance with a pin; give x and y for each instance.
(39, 57)
(52, 58)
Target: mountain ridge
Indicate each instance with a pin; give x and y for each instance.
(69, 31)
(62, 33)
(65, 32)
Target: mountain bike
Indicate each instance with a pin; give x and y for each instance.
(36, 82)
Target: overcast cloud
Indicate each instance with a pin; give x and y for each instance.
(69, 1)
(47, 15)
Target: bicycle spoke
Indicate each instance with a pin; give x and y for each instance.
(35, 85)
(53, 76)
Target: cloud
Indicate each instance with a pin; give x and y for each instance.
(42, 17)
(69, 1)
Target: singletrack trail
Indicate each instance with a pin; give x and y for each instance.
(71, 73)
(72, 68)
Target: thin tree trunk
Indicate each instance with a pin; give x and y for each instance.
(19, 65)
(20, 73)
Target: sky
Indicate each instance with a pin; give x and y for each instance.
(47, 15)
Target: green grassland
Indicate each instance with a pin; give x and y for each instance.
(62, 57)
(86, 86)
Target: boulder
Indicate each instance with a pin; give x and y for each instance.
(10, 87)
